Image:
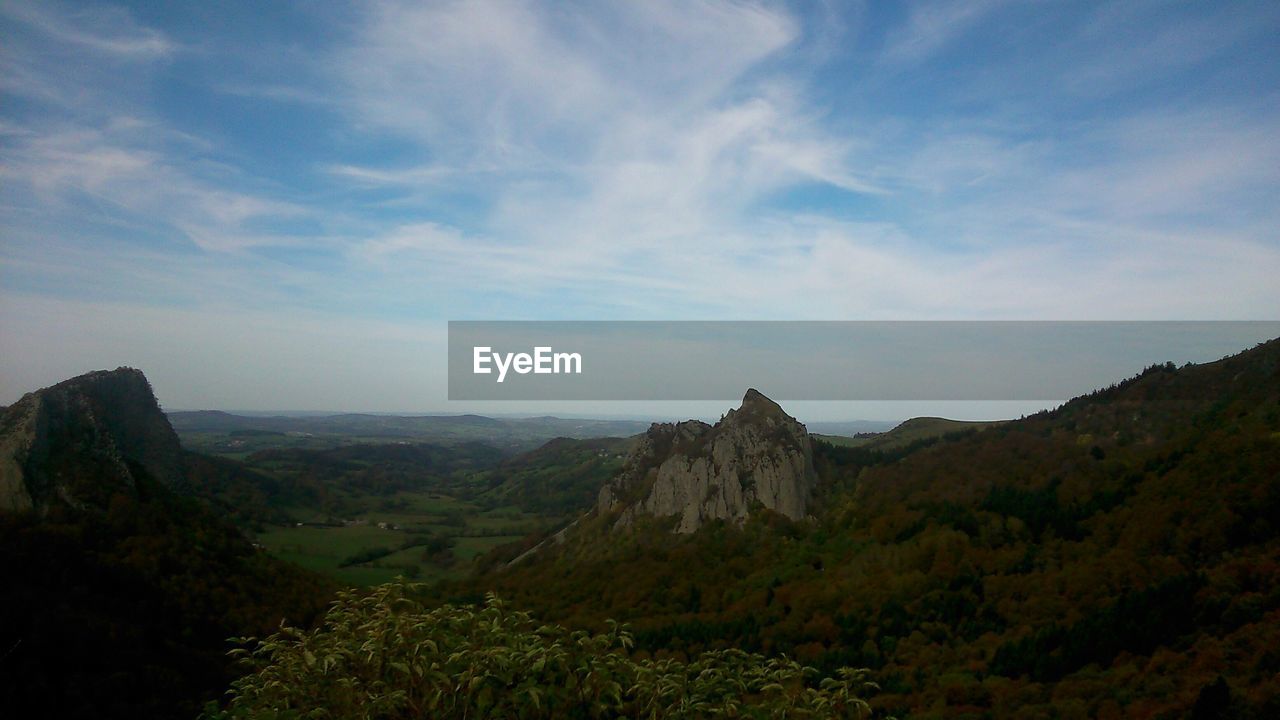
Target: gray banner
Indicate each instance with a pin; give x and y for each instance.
(715, 360)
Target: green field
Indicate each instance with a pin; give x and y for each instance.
(364, 512)
(326, 544)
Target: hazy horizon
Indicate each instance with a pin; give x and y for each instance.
(833, 412)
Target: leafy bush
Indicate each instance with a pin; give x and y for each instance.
(380, 654)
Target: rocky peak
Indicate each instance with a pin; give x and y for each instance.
(757, 455)
(84, 439)
(754, 402)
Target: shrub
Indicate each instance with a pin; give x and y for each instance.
(380, 654)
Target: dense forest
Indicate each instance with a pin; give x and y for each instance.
(1116, 557)
(124, 611)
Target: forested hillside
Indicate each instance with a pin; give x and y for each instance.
(126, 612)
(1117, 557)
(559, 479)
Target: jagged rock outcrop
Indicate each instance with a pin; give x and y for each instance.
(84, 439)
(756, 455)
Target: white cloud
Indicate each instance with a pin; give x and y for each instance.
(931, 26)
(101, 30)
(101, 151)
(661, 197)
(1178, 164)
(86, 61)
(124, 169)
(1157, 45)
(614, 142)
(509, 81)
(645, 160)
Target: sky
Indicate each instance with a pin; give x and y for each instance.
(279, 205)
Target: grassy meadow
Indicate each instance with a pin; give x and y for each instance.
(426, 535)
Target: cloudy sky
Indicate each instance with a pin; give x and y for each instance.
(279, 205)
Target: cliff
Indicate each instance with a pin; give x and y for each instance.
(83, 440)
(757, 456)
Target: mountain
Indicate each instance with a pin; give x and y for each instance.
(83, 439)
(756, 455)
(120, 590)
(1116, 557)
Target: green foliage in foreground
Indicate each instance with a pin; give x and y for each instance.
(380, 654)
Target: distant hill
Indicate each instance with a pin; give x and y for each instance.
(915, 430)
(1116, 557)
(223, 433)
(851, 428)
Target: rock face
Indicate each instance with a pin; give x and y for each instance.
(757, 454)
(82, 440)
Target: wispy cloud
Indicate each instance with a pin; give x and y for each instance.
(509, 80)
(1156, 45)
(1182, 164)
(119, 171)
(72, 57)
(98, 30)
(399, 162)
(931, 25)
(606, 138)
(98, 146)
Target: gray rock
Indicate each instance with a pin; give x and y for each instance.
(757, 456)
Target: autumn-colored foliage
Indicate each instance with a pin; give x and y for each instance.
(1116, 557)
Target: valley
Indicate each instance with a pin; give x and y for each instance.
(1114, 557)
(424, 536)
(366, 512)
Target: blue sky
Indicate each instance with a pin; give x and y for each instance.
(278, 205)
